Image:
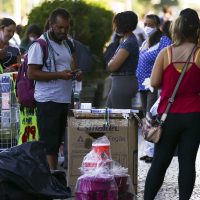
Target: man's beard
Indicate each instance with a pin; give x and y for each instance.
(54, 37)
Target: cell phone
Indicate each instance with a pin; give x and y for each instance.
(76, 71)
(74, 74)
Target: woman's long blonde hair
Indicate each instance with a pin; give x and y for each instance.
(183, 30)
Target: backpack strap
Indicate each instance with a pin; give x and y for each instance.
(43, 45)
(22, 71)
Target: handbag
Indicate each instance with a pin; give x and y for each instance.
(152, 128)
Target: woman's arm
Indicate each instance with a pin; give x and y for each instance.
(117, 60)
(157, 71)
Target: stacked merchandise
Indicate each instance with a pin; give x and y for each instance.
(9, 112)
(102, 178)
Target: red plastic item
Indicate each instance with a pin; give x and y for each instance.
(103, 150)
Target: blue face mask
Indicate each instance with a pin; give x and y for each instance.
(149, 30)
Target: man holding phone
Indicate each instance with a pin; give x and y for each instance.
(53, 87)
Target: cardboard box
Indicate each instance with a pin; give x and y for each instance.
(122, 134)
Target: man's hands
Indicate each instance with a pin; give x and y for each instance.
(66, 75)
(75, 75)
(35, 73)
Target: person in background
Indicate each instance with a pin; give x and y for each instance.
(15, 40)
(32, 33)
(165, 28)
(155, 42)
(83, 55)
(53, 86)
(19, 30)
(124, 62)
(182, 127)
(166, 14)
(10, 58)
(139, 31)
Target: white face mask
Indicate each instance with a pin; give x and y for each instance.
(32, 39)
(149, 30)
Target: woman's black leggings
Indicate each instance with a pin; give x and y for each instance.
(182, 130)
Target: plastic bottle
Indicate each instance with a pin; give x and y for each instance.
(76, 100)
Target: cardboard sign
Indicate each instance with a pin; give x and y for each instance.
(28, 127)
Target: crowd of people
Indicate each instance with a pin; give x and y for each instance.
(157, 66)
(151, 67)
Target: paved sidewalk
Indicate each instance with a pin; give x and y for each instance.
(169, 189)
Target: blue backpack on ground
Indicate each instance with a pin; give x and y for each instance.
(24, 86)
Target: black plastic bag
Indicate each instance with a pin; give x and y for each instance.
(24, 171)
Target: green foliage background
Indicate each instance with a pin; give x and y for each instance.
(92, 24)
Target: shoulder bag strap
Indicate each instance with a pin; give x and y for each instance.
(171, 99)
